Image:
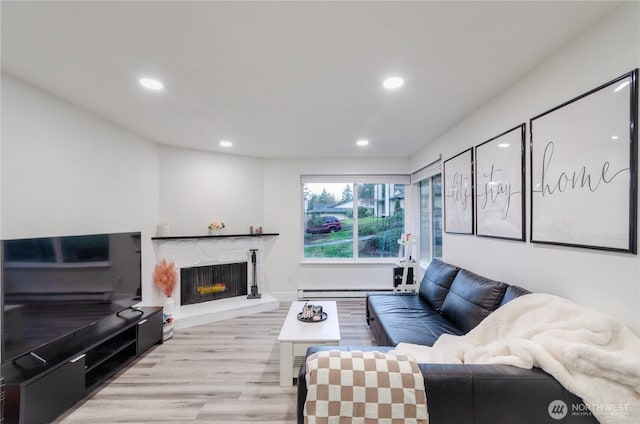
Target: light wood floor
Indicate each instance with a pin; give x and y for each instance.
(222, 372)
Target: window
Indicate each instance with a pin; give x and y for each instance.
(360, 218)
(328, 220)
(431, 218)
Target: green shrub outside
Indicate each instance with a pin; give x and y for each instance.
(383, 244)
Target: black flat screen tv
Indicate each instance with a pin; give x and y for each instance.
(55, 286)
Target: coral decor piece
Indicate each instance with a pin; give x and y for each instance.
(216, 225)
(165, 277)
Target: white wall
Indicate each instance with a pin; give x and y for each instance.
(197, 187)
(65, 171)
(609, 282)
(283, 206)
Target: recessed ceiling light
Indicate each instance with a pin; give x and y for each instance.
(151, 84)
(503, 145)
(225, 143)
(393, 83)
(362, 143)
(615, 137)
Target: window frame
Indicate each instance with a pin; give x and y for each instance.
(429, 171)
(353, 180)
(424, 262)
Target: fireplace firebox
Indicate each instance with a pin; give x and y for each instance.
(212, 282)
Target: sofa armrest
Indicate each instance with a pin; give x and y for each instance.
(489, 394)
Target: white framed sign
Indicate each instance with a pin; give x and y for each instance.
(584, 169)
(499, 186)
(458, 193)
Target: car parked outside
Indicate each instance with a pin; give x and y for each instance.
(324, 224)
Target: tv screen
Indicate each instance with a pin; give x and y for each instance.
(53, 286)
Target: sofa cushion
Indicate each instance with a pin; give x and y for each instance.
(512, 292)
(406, 318)
(471, 298)
(436, 282)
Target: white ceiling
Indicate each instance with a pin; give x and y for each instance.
(286, 79)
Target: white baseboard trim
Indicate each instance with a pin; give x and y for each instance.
(338, 293)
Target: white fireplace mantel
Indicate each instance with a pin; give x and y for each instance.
(214, 236)
(191, 251)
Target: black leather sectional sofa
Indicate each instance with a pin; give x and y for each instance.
(453, 301)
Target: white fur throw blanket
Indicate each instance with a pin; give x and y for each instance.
(592, 355)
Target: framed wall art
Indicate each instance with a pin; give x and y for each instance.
(458, 193)
(584, 169)
(499, 186)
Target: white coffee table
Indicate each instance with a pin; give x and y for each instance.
(296, 336)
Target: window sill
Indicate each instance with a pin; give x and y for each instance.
(368, 261)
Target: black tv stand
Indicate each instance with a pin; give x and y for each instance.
(130, 308)
(39, 360)
(38, 357)
(76, 365)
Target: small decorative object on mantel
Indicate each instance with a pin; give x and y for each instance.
(215, 227)
(164, 276)
(163, 229)
(312, 313)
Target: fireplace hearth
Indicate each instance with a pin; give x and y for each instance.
(212, 282)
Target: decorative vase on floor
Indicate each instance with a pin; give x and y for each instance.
(167, 317)
(169, 305)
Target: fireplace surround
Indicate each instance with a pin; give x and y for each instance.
(204, 251)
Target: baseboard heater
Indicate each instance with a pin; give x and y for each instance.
(338, 293)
